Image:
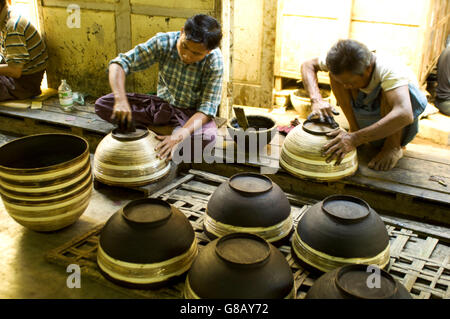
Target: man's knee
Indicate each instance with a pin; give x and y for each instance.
(443, 106)
(410, 132)
(104, 106)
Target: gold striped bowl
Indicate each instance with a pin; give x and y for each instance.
(45, 180)
(338, 231)
(301, 155)
(249, 203)
(240, 266)
(147, 244)
(129, 160)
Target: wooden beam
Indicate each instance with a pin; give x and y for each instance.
(41, 18)
(217, 9)
(345, 18)
(227, 17)
(167, 12)
(439, 232)
(89, 5)
(123, 26)
(122, 16)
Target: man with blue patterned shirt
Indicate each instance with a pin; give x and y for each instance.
(189, 83)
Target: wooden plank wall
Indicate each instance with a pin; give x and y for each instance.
(415, 31)
(254, 51)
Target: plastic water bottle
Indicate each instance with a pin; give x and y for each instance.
(65, 96)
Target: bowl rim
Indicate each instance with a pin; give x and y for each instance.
(311, 131)
(229, 126)
(130, 137)
(348, 268)
(258, 262)
(55, 166)
(250, 192)
(156, 223)
(349, 198)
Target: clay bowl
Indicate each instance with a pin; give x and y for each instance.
(249, 203)
(129, 159)
(262, 130)
(45, 180)
(301, 154)
(240, 265)
(302, 103)
(147, 244)
(352, 282)
(340, 230)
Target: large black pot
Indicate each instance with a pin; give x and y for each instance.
(240, 265)
(148, 243)
(340, 230)
(357, 282)
(250, 203)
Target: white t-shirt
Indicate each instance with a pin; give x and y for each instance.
(389, 71)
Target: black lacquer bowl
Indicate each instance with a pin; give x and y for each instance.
(357, 282)
(146, 244)
(249, 203)
(262, 129)
(340, 230)
(240, 265)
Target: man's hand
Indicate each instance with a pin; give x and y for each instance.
(122, 112)
(167, 145)
(324, 111)
(342, 143)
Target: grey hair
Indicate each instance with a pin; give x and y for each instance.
(348, 56)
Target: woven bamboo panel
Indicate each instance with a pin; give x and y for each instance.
(421, 263)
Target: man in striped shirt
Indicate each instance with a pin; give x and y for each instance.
(23, 56)
(189, 83)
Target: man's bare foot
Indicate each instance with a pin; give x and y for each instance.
(386, 159)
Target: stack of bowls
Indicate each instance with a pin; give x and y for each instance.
(301, 154)
(250, 203)
(147, 244)
(129, 159)
(45, 180)
(357, 282)
(340, 230)
(240, 265)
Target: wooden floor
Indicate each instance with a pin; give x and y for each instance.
(419, 186)
(418, 261)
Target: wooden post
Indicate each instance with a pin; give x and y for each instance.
(40, 11)
(123, 33)
(346, 18)
(227, 18)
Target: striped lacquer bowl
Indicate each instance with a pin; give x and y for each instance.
(129, 159)
(45, 180)
(301, 154)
